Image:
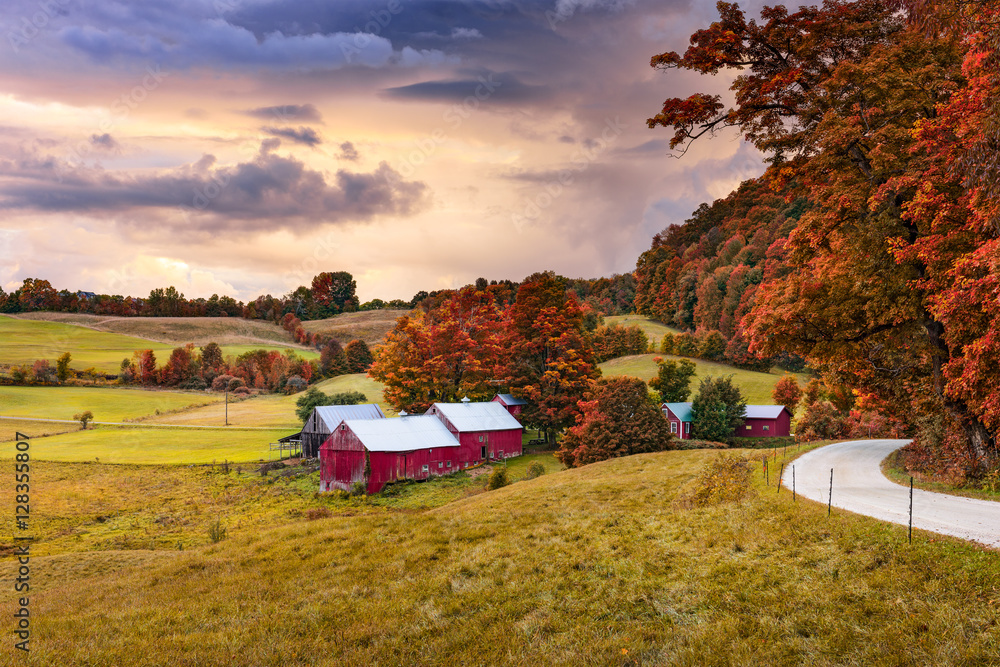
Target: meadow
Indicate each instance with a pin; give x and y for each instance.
(22, 341)
(652, 328)
(370, 326)
(108, 404)
(756, 387)
(605, 564)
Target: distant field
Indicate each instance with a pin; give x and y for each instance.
(177, 330)
(111, 444)
(273, 409)
(110, 404)
(370, 326)
(22, 341)
(653, 328)
(756, 387)
(9, 428)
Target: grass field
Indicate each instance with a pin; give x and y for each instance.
(177, 330)
(275, 410)
(110, 404)
(370, 326)
(598, 565)
(22, 341)
(111, 444)
(756, 387)
(9, 428)
(652, 328)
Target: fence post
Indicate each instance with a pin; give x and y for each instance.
(793, 484)
(779, 478)
(767, 477)
(829, 501)
(910, 531)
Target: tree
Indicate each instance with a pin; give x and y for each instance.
(309, 401)
(667, 344)
(211, 358)
(335, 292)
(821, 421)
(787, 392)
(62, 366)
(551, 364)
(35, 294)
(713, 347)
(617, 420)
(673, 379)
(359, 357)
(332, 360)
(84, 418)
(718, 409)
(180, 367)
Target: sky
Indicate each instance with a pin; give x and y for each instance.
(242, 146)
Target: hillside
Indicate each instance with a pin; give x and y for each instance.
(598, 565)
(371, 326)
(654, 329)
(756, 387)
(25, 339)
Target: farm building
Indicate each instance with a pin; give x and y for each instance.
(766, 421)
(484, 430)
(379, 451)
(513, 404)
(679, 416)
(325, 418)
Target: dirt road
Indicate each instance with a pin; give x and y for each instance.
(859, 486)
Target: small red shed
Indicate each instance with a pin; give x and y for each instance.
(765, 421)
(679, 416)
(513, 404)
(484, 430)
(379, 451)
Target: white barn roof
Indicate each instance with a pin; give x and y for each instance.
(510, 399)
(763, 411)
(332, 415)
(405, 434)
(468, 417)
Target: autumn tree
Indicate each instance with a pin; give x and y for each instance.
(84, 418)
(35, 294)
(181, 366)
(717, 410)
(359, 357)
(787, 392)
(332, 360)
(617, 419)
(884, 277)
(62, 366)
(335, 292)
(673, 379)
(211, 359)
(550, 362)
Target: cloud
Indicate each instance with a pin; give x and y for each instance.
(265, 193)
(286, 113)
(502, 88)
(348, 152)
(303, 135)
(105, 142)
(466, 33)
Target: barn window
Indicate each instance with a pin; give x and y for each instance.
(449, 464)
(749, 427)
(424, 469)
(673, 427)
(440, 465)
(480, 438)
(343, 427)
(687, 427)
(767, 428)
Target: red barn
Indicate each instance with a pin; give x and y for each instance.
(513, 404)
(766, 421)
(679, 416)
(325, 418)
(416, 447)
(484, 430)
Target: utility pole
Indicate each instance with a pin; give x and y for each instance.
(227, 406)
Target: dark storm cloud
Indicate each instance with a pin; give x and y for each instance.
(304, 135)
(267, 192)
(286, 113)
(497, 88)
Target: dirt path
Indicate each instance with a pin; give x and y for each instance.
(859, 486)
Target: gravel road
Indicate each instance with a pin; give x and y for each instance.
(859, 486)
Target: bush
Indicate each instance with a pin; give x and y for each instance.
(236, 383)
(359, 489)
(822, 421)
(242, 391)
(499, 478)
(318, 513)
(536, 469)
(295, 384)
(725, 478)
(221, 382)
(193, 383)
(216, 531)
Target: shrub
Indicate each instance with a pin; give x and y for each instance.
(221, 382)
(498, 478)
(359, 489)
(236, 383)
(726, 478)
(294, 385)
(822, 421)
(536, 469)
(193, 383)
(242, 391)
(216, 531)
(318, 513)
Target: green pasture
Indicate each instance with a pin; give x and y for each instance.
(24, 341)
(756, 387)
(109, 404)
(652, 328)
(111, 444)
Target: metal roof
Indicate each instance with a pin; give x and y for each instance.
(510, 399)
(763, 411)
(681, 410)
(405, 434)
(332, 415)
(468, 417)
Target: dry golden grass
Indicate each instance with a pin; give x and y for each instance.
(597, 565)
(370, 326)
(9, 428)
